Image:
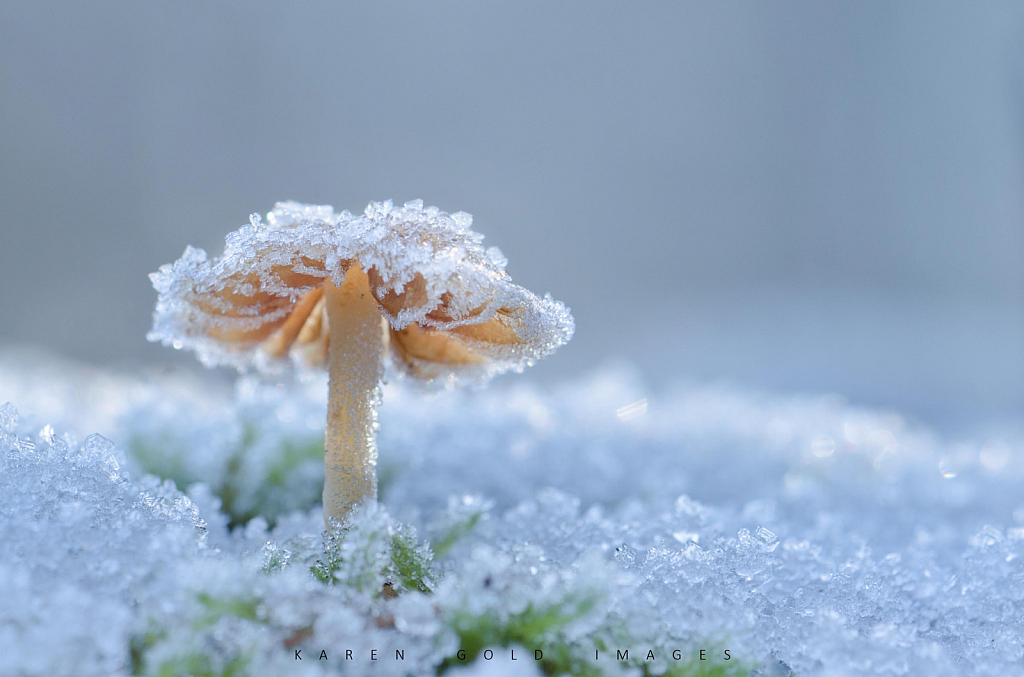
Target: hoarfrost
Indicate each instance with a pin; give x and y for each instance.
(805, 535)
(426, 270)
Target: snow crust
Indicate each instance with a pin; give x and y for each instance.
(808, 536)
(427, 268)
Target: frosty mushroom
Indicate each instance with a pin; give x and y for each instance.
(349, 293)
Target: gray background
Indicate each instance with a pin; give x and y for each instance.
(800, 196)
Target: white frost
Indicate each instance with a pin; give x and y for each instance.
(300, 245)
(804, 534)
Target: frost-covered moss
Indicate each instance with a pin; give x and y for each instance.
(537, 627)
(796, 533)
(463, 516)
(410, 562)
(254, 469)
(202, 665)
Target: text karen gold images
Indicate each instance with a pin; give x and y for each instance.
(510, 655)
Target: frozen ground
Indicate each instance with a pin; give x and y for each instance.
(804, 535)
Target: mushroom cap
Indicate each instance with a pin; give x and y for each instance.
(454, 313)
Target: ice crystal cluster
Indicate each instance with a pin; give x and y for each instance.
(429, 273)
(804, 535)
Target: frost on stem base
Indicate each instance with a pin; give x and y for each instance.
(358, 344)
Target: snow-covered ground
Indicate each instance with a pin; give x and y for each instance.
(802, 535)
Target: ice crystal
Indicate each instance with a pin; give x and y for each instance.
(427, 271)
(803, 535)
(78, 543)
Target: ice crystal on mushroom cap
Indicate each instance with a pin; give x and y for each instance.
(428, 272)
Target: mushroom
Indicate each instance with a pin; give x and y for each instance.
(412, 286)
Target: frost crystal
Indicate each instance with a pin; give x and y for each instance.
(78, 540)
(712, 521)
(453, 310)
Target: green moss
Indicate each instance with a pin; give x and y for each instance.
(138, 645)
(410, 563)
(229, 488)
(325, 567)
(454, 533)
(161, 455)
(534, 627)
(240, 607)
(200, 665)
(562, 658)
(274, 562)
(704, 669)
(291, 457)
(407, 565)
(195, 664)
(543, 628)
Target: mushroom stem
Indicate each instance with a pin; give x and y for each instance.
(358, 342)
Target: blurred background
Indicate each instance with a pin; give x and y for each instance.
(797, 196)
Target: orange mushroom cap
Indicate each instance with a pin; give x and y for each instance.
(453, 311)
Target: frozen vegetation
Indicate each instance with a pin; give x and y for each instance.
(803, 535)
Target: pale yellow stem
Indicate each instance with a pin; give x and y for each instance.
(358, 341)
